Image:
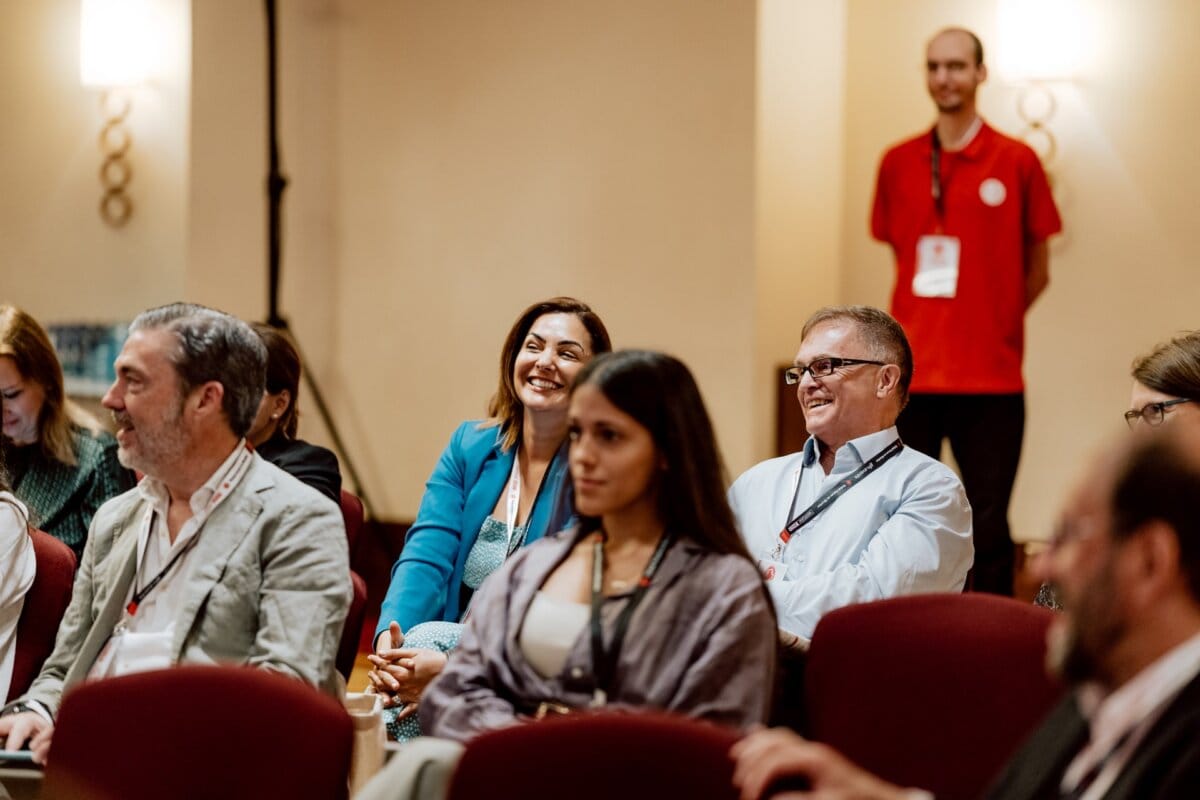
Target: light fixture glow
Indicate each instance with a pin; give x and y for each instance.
(117, 46)
(1039, 40)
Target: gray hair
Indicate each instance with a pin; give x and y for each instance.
(883, 335)
(214, 346)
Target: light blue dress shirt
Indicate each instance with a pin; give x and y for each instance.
(903, 529)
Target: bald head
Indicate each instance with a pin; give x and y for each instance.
(961, 36)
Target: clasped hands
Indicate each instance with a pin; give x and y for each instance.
(400, 674)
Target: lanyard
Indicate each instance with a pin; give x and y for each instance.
(936, 184)
(514, 499)
(935, 176)
(604, 661)
(140, 594)
(832, 494)
(237, 470)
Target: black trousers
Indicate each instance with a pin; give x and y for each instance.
(985, 432)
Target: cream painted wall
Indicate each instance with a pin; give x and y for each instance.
(1124, 276)
(58, 259)
(226, 248)
(492, 154)
(800, 160)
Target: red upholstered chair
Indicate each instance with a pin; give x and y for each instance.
(352, 632)
(599, 757)
(198, 733)
(352, 516)
(931, 691)
(45, 603)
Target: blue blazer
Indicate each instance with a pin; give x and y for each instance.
(466, 483)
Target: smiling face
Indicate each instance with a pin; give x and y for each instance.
(22, 403)
(855, 400)
(952, 75)
(613, 459)
(147, 403)
(555, 349)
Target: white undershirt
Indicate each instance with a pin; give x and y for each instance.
(143, 641)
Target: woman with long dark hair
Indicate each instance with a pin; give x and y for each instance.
(651, 601)
(273, 432)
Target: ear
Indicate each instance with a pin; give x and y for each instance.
(1154, 563)
(280, 402)
(207, 398)
(982, 70)
(888, 381)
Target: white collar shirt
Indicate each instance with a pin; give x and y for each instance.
(1119, 721)
(903, 529)
(146, 634)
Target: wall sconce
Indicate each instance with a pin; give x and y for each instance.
(1040, 42)
(116, 45)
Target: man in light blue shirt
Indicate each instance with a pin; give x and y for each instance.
(854, 516)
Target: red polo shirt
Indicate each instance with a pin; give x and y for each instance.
(997, 203)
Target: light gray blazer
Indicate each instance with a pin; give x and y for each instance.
(269, 585)
(702, 643)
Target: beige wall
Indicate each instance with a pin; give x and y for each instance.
(491, 154)
(699, 171)
(800, 161)
(58, 259)
(1124, 276)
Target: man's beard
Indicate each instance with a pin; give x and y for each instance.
(157, 446)
(1077, 651)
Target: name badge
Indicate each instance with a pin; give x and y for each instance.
(771, 570)
(937, 266)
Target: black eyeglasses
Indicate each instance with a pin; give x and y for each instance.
(823, 368)
(1152, 413)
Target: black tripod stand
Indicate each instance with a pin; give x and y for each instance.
(276, 184)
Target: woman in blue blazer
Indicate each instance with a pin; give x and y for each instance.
(500, 484)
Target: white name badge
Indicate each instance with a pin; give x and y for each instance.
(937, 266)
(771, 570)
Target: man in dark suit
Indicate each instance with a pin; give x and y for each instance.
(216, 556)
(1125, 561)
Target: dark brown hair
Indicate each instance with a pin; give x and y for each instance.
(1173, 367)
(659, 392)
(283, 372)
(505, 408)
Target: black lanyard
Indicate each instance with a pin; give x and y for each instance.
(140, 594)
(935, 176)
(604, 661)
(834, 492)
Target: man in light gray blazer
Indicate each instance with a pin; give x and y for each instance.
(216, 556)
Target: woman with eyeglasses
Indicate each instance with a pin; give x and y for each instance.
(1166, 392)
(1166, 385)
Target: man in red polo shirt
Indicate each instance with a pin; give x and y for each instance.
(967, 212)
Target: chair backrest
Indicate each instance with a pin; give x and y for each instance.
(45, 603)
(934, 691)
(199, 732)
(352, 516)
(599, 757)
(352, 632)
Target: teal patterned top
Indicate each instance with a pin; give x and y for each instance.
(61, 498)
